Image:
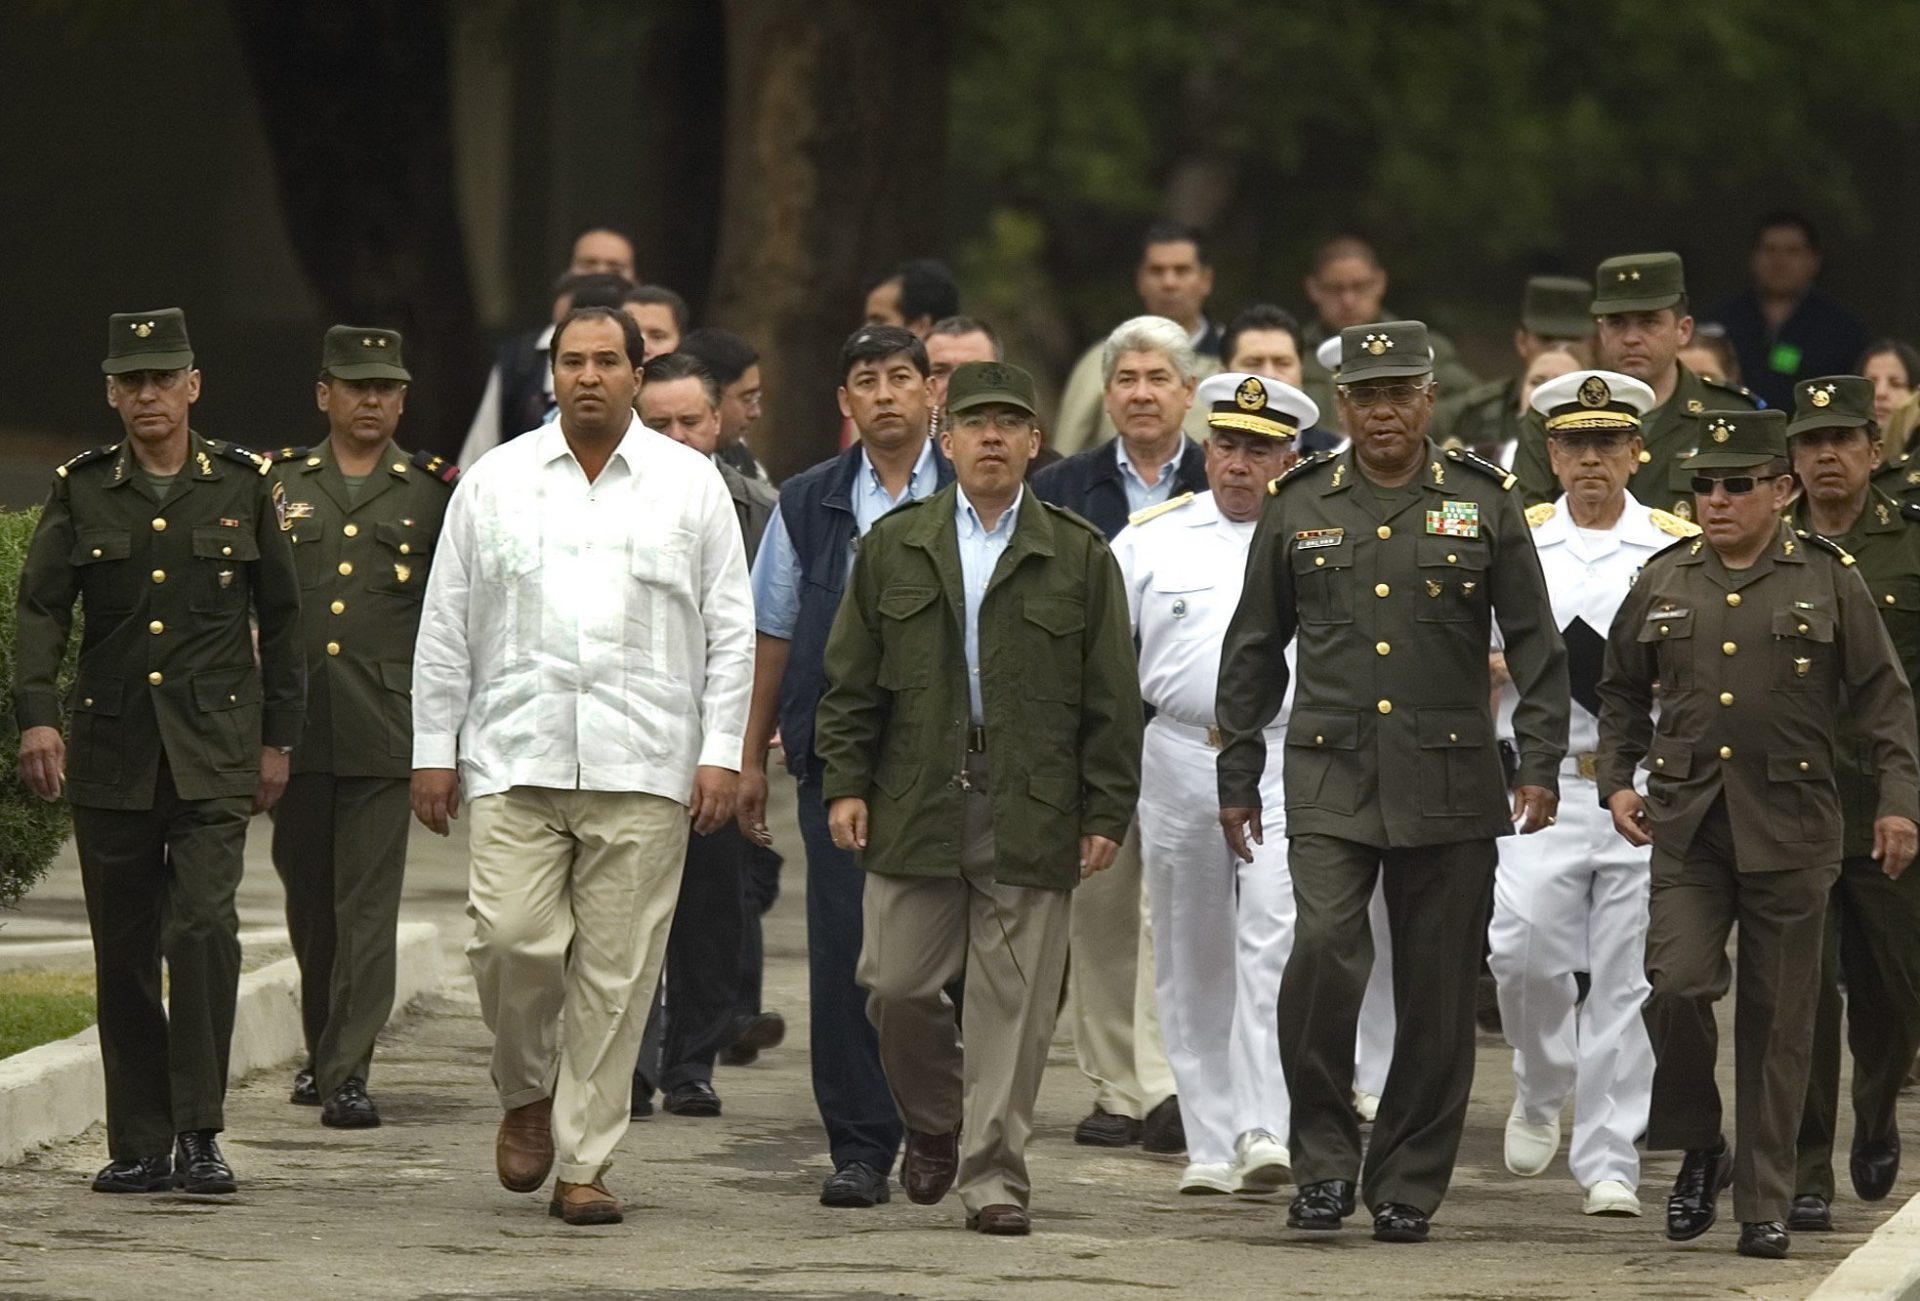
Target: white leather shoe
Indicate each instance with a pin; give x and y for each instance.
(1207, 1177)
(1530, 1148)
(1366, 1106)
(1261, 1163)
(1611, 1197)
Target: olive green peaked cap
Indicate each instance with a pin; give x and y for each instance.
(1385, 350)
(1638, 282)
(976, 383)
(147, 341)
(1555, 307)
(1732, 440)
(356, 352)
(1831, 402)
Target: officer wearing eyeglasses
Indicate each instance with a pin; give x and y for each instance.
(1386, 565)
(1759, 635)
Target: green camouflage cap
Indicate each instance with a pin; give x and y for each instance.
(147, 341)
(1831, 402)
(976, 383)
(1638, 282)
(357, 352)
(1555, 307)
(1738, 440)
(1384, 350)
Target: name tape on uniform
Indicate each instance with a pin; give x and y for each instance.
(1308, 539)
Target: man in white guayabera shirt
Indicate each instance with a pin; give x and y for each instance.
(586, 652)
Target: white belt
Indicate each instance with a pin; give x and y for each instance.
(1208, 734)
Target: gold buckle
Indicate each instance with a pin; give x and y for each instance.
(1213, 737)
(1588, 765)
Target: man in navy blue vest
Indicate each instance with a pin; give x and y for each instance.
(798, 576)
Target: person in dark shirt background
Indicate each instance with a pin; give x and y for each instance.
(1782, 328)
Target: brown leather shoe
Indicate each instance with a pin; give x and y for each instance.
(932, 1159)
(1001, 1218)
(584, 1203)
(523, 1150)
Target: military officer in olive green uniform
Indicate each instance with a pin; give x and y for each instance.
(1899, 477)
(169, 542)
(1873, 920)
(1388, 562)
(361, 516)
(1758, 636)
(1640, 302)
(1486, 419)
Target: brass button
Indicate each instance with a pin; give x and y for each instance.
(405, 550)
(88, 704)
(97, 553)
(155, 677)
(1318, 740)
(1452, 559)
(1453, 736)
(159, 575)
(156, 627)
(346, 567)
(339, 607)
(1726, 752)
(233, 700)
(1726, 697)
(1733, 598)
(226, 551)
(1319, 560)
(1384, 532)
(351, 530)
(1728, 648)
(1663, 630)
(1802, 627)
(1889, 596)
(333, 648)
(1659, 763)
(1381, 648)
(1381, 589)
(1803, 765)
(1385, 706)
(399, 467)
(159, 526)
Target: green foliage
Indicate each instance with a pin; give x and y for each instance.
(38, 1007)
(31, 830)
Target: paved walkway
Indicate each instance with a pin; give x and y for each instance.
(727, 1207)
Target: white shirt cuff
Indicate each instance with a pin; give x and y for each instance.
(721, 750)
(443, 751)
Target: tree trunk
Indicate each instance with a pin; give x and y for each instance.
(354, 99)
(836, 150)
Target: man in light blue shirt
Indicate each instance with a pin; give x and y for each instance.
(980, 550)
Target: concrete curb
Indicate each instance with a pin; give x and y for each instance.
(1885, 1268)
(57, 1090)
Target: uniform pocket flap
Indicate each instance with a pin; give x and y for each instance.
(97, 695)
(94, 545)
(1442, 729)
(397, 676)
(1056, 614)
(1900, 594)
(1665, 624)
(1324, 729)
(1810, 767)
(896, 779)
(222, 543)
(407, 539)
(1668, 757)
(1451, 553)
(1806, 625)
(1308, 559)
(905, 602)
(1062, 793)
(225, 689)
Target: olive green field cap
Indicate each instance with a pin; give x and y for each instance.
(358, 352)
(1831, 402)
(1638, 282)
(1732, 440)
(977, 383)
(1384, 350)
(1555, 307)
(147, 341)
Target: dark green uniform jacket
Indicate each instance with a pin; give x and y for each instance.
(1754, 668)
(1483, 420)
(1670, 434)
(167, 656)
(363, 576)
(1885, 546)
(1058, 680)
(1391, 739)
(1899, 477)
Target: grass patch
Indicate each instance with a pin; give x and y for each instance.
(38, 1007)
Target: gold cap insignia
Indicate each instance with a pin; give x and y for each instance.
(1251, 395)
(1684, 509)
(143, 328)
(1821, 397)
(1720, 430)
(1594, 392)
(1377, 343)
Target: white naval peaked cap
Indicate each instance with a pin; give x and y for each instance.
(1255, 404)
(1592, 399)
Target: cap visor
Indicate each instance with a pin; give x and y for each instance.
(147, 361)
(371, 370)
(1725, 460)
(987, 397)
(1383, 368)
(1823, 420)
(1614, 306)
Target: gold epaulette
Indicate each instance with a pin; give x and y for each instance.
(235, 452)
(1539, 513)
(1158, 509)
(91, 454)
(1482, 464)
(1826, 544)
(1672, 525)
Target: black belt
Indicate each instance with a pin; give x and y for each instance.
(976, 740)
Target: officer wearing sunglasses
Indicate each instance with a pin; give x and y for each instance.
(1761, 637)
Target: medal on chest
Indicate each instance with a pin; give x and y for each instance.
(1455, 519)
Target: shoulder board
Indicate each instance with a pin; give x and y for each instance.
(1673, 525)
(285, 454)
(1539, 513)
(1158, 509)
(1892, 465)
(1825, 544)
(437, 466)
(1689, 544)
(1300, 467)
(1483, 465)
(235, 452)
(1746, 395)
(91, 454)
(1910, 511)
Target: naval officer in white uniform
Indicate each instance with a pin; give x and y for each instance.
(1222, 930)
(1574, 897)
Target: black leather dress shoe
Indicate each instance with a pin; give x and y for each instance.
(198, 1166)
(1321, 1206)
(694, 1098)
(1874, 1167)
(1104, 1129)
(349, 1107)
(752, 1036)
(1766, 1239)
(1810, 1213)
(150, 1175)
(1695, 1202)
(855, 1184)
(1163, 1131)
(306, 1093)
(1393, 1222)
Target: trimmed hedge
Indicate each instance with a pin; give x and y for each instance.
(31, 830)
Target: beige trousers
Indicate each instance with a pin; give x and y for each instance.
(1115, 1014)
(571, 895)
(919, 934)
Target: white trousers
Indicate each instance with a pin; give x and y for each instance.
(1373, 1045)
(1222, 931)
(1574, 898)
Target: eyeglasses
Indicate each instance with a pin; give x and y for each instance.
(1368, 395)
(1734, 485)
(1596, 441)
(1006, 422)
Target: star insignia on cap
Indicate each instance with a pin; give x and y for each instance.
(142, 328)
(1721, 430)
(1594, 392)
(1377, 343)
(366, 342)
(1251, 395)
(380, 341)
(1821, 397)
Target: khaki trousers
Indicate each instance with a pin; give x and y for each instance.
(1115, 1014)
(919, 935)
(572, 895)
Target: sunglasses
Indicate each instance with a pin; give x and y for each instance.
(1734, 485)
